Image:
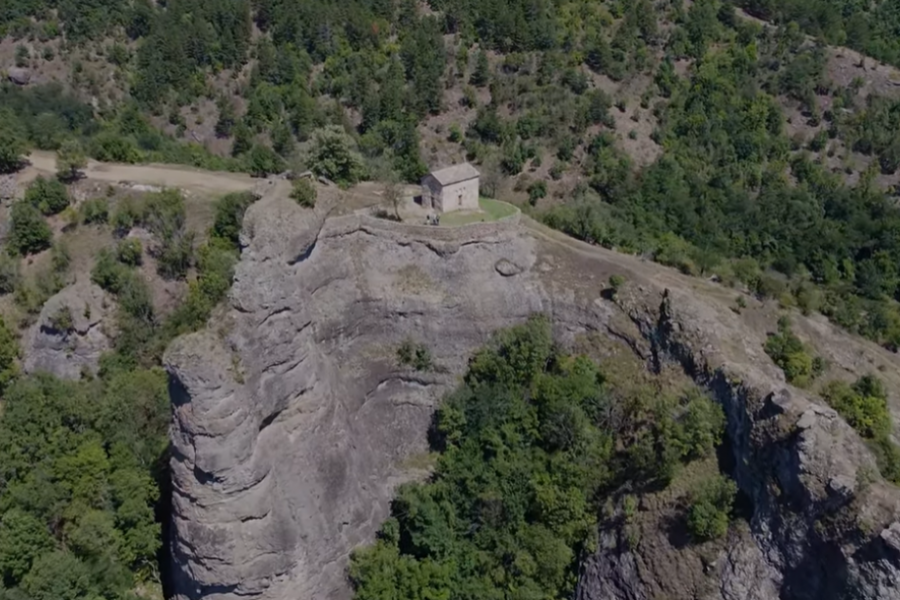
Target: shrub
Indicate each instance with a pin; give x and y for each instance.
(12, 146)
(333, 155)
(10, 274)
(262, 161)
(108, 272)
(29, 233)
(95, 211)
(417, 356)
(792, 356)
(710, 508)
(9, 352)
(126, 216)
(60, 259)
(616, 281)
(536, 191)
(230, 211)
(304, 192)
(62, 321)
(130, 252)
(863, 405)
(47, 195)
(175, 255)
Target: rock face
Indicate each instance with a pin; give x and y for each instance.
(290, 426)
(820, 526)
(67, 338)
(293, 419)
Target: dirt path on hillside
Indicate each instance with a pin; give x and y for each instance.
(43, 163)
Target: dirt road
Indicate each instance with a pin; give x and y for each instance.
(43, 163)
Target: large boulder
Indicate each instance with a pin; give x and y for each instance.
(68, 337)
(19, 75)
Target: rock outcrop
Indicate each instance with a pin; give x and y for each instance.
(292, 422)
(19, 75)
(68, 337)
(820, 525)
(293, 419)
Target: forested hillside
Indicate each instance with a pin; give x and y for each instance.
(84, 464)
(532, 445)
(682, 131)
(751, 162)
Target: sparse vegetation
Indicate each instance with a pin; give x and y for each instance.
(94, 211)
(799, 365)
(304, 192)
(863, 405)
(414, 355)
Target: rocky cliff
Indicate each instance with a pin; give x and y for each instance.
(293, 421)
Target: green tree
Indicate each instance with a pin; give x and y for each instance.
(481, 73)
(58, 576)
(262, 161)
(29, 233)
(23, 538)
(333, 155)
(47, 195)
(70, 160)
(710, 509)
(12, 146)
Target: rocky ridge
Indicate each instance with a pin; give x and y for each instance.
(293, 421)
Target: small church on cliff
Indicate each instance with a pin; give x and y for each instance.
(451, 188)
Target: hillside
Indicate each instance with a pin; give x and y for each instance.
(660, 361)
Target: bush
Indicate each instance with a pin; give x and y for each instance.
(710, 508)
(262, 161)
(230, 211)
(130, 252)
(12, 146)
(62, 321)
(536, 191)
(10, 274)
(126, 216)
(60, 259)
(175, 255)
(863, 405)
(616, 281)
(304, 192)
(29, 233)
(108, 272)
(47, 195)
(417, 356)
(9, 352)
(789, 353)
(95, 211)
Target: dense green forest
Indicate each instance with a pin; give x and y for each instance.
(531, 446)
(83, 464)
